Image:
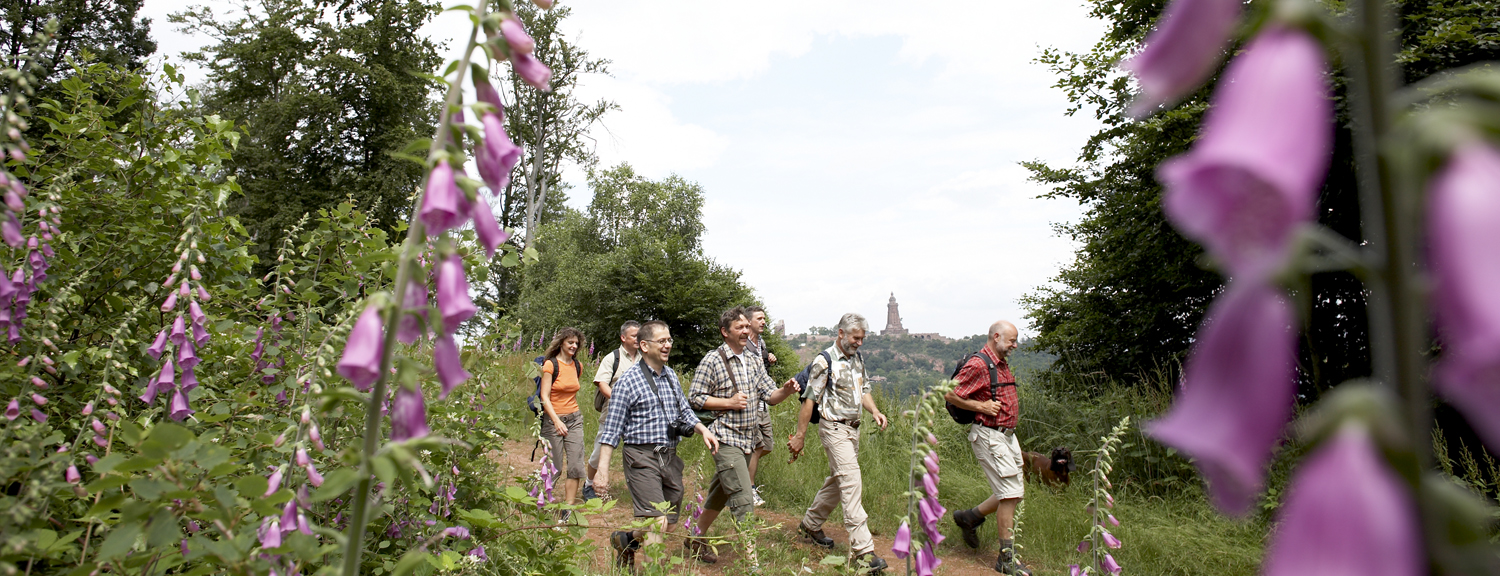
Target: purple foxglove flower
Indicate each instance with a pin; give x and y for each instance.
(515, 35)
(444, 206)
(450, 368)
(183, 547)
(1184, 49)
(289, 516)
(72, 475)
(199, 318)
(273, 482)
(158, 346)
(532, 71)
(39, 399)
(180, 408)
(1463, 212)
(162, 383)
(927, 562)
(186, 356)
(101, 442)
(280, 396)
(1110, 565)
(315, 436)
(364, 349)
(479, 552)
(200, 335)
(1346, 512)
(486, 92)
(458, 532)
(313, 477)
(203, 294)
(91, 459)
(179, 332)
(497, 155)
(10, 229)
(413, 324)
(98, 426)
(931, 461)
(302, 525)
(270, 533)
(1112, 519)
(170, 303)
(1253, 175)
(902, 547)
(1237, 392)
(301, 457)
(1083, 547)
(486, 228)
(1074, 570)
(87, 409)
(930, 484)
(13, 410)
(453, 294)
(38, 416)
(408, 415)
(1110, 540)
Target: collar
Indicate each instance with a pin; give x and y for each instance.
(729, 352)
(999, 363)
(838, 353)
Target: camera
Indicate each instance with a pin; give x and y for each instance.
(681, 430)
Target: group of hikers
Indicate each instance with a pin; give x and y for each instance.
(644, 414)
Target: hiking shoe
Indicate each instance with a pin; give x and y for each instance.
(700, 550)
(816, 536)
(589, 493)
(755, 493)
(969, 521)
(871, 563)
(625, 546)
(1008, 565)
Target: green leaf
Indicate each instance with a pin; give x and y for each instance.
(108, 463)
(163, 530)
(137, 464)
(410, 562)
(385, 469)
(149, 489)
(252, 486)
(119, 541)
(336, 483)
(104, 506)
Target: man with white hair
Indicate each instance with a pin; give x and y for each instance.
(838, 388)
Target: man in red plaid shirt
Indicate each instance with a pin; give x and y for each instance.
(993, 438)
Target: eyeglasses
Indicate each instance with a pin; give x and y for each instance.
(659, 342)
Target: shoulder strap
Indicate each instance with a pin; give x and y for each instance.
(651, 383)
(729, 369)
(616, 370)
(827, 373)
(578, 367)
(994, 376)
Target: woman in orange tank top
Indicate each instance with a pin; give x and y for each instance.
(562, 423)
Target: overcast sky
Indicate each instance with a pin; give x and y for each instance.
(847, 150)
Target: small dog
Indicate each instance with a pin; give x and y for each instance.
(1053, 471)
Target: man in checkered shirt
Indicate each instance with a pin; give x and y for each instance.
(732, 381)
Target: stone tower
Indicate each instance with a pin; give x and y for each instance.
(892, 319)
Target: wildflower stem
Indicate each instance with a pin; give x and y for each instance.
(416, 236)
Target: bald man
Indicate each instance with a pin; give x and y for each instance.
(987, 388)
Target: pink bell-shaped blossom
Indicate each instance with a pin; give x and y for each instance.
(408, 415)
(163, 383)
(1110, 565)
(289, 516)
(200, 335)
(515, 35)
(1184, 49)
(364, 349)
(196, 311)
(486, 92)
(186, 356)
(453, 300)
(301, 458)
(270, 533)
(444, 206)
(449, 366)
(930, 484)
(39, 399)
(927, 562)
(189, 380)
(413, 324)
(458, 532)
(486, 228)
(13, 409)
(1346, 513)
(1083, 546)
(179, 332)
(1110, 540)
(1253, 176)
(313, 477)
(902, 546)
(1237, 392)
(170, 303)
(273, 482)
(532, 71)
(1463, 229)
(72, 475)
(497, 155)
(39, 416)
(159, 345)
(931, 461)
(1075, 570)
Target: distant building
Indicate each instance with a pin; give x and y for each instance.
(892, 319)
(930, 336)
(780, 329)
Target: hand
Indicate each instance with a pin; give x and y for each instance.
(792, 387)
(794, 445)
(601, 479)
(710, 441)
(880, 420)
(739, 401)
(990, 407)
(562, 429)
(772, 355)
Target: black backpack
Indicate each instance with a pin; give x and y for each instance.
(534, 401)
(961, 415)
(806, 372)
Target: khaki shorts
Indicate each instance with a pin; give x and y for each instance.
(765, 437)
(653, 476)
(999, 454)
(731, 483)
(570, 446)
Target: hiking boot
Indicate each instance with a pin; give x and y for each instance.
(700, 550)
(625, 546)
(755, 493)
(871, 563)
(816, 536)
(589, 493)
(969, 521)
(1008, 565)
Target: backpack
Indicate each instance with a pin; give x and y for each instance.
(534, 401)
(599, 398)
(961, 415)
(806, 372)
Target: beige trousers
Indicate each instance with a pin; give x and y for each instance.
(844, 487)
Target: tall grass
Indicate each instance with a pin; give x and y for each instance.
(1167, 525)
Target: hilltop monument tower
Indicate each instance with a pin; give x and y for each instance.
(892, 319)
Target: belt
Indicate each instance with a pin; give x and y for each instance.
(657, 448)
(850, 423)
(1007, 431)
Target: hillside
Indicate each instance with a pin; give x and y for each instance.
(900, 366)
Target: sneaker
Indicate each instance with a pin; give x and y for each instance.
(625, 546)
(700, 550)
(755, 492)
(589, 493)
(969, 521)
(870, 563)
(816, 536)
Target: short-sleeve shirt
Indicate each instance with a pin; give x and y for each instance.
(607, 371)
(564, 386)
(974, 384)
(843, 402)
(737, 428)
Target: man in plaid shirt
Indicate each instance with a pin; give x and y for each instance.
(645, 402)
(733, 382)
(993, 438)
